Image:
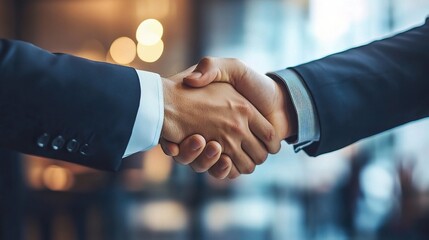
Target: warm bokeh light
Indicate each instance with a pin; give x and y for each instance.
(57, 178)
(157, 166)
(218, 216)
(150, 53)
(123, 50)
(34, 167)
(166, 216)
(149, 32)
(159, 9)
(33, 177)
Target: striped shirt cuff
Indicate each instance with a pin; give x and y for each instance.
(308, 125)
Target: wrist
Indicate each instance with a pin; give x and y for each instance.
(167, 86)
(287, 112)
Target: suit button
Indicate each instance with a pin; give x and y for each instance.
(84, 150)
(58, 143)
(72, 146)
(43, 140)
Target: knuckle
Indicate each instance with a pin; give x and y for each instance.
(227, 143)
(270, 134)
(235, 60)
(262, 158)
(245, 108)
(249, 169)
(236, 127)
(206, 61)
(276, 149)
(233, 175)
(239, 63)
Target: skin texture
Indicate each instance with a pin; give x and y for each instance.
(223, 117)
(269, 97)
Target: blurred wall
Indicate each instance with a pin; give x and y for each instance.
(88, 28)
(377, 189)
(6, 15)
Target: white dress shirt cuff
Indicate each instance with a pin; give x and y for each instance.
(308, 124)
(150, 115)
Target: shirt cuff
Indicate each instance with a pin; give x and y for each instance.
(150, 115)
(308, 124)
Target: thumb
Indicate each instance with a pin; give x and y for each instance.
(207, 71)
(169, 148)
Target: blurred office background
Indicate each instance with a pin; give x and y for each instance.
(376, 189)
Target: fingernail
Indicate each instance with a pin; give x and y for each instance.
(211, 151)
(194, 75)
(195, 145)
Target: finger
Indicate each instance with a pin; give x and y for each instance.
(190, 149)
(189, 70)
(255, 149)
(222, 167)
(218, 169)
(178, 78)
(169, 148)
(246, 81)
(234, 173)
(264, 131)
(242, 161)
(207, 71)
(211, 70)
(227, 70)
(205, 161)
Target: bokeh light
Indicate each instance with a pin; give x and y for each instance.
(150, 53)
(57, 178)
(166, 216)
(157, 166)
(123, 50)
(149, 32)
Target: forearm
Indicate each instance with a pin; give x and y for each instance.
(64, 96)
(367, 90)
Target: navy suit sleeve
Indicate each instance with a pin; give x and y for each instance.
(64, 107)
(367, 90)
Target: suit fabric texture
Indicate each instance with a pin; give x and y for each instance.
(64, 107)
(369, 89)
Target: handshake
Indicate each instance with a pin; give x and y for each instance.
(219, 116)
(222, 117)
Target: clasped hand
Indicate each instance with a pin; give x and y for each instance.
(222, 117)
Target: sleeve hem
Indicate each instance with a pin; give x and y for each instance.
(150, 116)
(308, 129)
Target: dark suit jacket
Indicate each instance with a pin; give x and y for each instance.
(64, 107)
(369, 89)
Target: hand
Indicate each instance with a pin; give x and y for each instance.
(220, 114)
(190, 150)
(269, 97)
